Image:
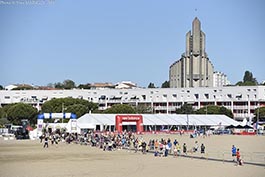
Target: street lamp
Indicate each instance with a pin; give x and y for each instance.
(187, 110)
(206, 110)
(257, 123)
(187, 121)
(63, 109)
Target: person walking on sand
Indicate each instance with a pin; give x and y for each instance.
(178, 149)
(233, 152)
(185, 149)
(46, 139)
(239, 161)
(202, 149)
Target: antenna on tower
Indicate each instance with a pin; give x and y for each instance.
(196, 12)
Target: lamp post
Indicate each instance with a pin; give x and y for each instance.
(187, 110)
(257, 123)
(62, 111)
(187, 121)
(206, 108)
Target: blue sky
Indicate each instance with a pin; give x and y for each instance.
(91, 41)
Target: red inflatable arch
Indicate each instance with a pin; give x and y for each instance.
(129, 118)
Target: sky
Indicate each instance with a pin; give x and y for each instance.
(88, 41)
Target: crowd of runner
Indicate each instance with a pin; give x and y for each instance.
(109, 141)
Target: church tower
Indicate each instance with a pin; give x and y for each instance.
(194, 68)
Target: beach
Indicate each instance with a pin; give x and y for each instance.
(24, 158)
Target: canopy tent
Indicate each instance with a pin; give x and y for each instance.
(240, 127)
(91, 121)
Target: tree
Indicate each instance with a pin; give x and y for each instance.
(120, 109)
(51, 85)
(72, 105)
(3, 121)
(143, 109)
(68, 84)
(248, 80)
(22, 111)
(165, 84)
(3, 118)
(58, 85)
(151, 85)
(84, 86)
(212, 109)
(78, 109)
(2, 113)
(185, 109)
(24, 87)
(1, 87)
(259, 113)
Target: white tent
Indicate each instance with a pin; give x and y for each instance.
(103, 121)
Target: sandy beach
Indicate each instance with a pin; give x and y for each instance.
(27, 158)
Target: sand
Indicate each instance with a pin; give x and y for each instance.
(27, 158)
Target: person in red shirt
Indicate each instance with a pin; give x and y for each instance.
(239, 162)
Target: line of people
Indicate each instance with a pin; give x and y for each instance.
(109, 141)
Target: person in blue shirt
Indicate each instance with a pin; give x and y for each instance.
(233, 152)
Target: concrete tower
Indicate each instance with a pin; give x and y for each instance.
(194, 68)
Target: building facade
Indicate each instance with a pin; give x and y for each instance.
(241, 100)
(194, 68)
(220, 79)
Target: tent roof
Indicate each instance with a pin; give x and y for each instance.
(161, 119)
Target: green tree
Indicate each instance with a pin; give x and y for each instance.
(151, 85)
(165, 84)
(22, 111)
(3, 117)
(3, 121)
(212, 109)
(259, 113)
(2, 113)
(51, 85)
(73, 105)
(23, 87)
(84, 86)
(185, 109)
(248, 80)
(143, 109)
(1, 87)
(68, 84)
(120, 109)
(78, 109)
(58, 85)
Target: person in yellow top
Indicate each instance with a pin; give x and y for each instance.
(156, 145)
(178, 147)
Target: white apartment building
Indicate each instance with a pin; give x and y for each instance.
(220, 79)
(242, 100)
